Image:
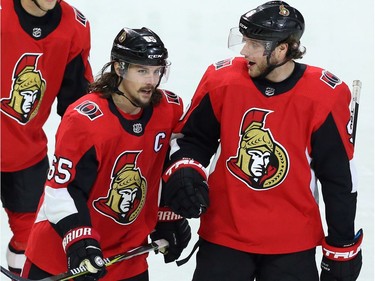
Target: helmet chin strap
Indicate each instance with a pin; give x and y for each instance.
(37, 4)
(117, 91)
(271, 67)
(135, 104)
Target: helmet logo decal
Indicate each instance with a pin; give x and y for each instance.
(89, 109)
(122, 37)
(283, 11)
(268, 45)
(150, 39)
(243, 26)
(27, 90)
(250, 13)
(261, 162)
(127, 193)
(155, 56)
(330, 79)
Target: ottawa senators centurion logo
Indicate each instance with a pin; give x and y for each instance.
(261, 163)
(127, 193)
(27, 90)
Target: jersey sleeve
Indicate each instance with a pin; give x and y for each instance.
(332, 154)
(78, 72)
(200, 129)
(72, 174)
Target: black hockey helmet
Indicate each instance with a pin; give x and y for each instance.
(274, 21)
(139, 46)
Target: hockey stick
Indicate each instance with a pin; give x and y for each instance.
(354, 107)
(73, 273)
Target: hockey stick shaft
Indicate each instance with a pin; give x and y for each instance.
(356, 92)
(73, 273)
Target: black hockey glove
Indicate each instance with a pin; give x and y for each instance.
(342, 263)
(186, 190)
(82, 249)
(175, 230)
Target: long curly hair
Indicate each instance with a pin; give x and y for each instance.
(295, 49)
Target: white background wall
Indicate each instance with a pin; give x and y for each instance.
(339, 36)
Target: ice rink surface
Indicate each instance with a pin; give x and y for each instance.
(339, 37)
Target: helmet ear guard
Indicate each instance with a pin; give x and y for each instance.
(123, 66)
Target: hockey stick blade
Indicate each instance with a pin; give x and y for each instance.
(73, 273)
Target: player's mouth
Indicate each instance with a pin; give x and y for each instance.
(146, 91)
(250, 65)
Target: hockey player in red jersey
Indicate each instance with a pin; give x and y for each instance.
(105, 178)
(272, 128)
(44, 52)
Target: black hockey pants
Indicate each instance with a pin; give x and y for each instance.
(218, 263)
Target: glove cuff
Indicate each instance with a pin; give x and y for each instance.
(344, 253)
(167, 215)
(184, 163)
(77, 234)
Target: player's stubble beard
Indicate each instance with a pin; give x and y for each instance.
(264, 68)
(142, 102)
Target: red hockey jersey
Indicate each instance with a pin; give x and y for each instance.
(42, 58)
(116, 161)
(270, 144)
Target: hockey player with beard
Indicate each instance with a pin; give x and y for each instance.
(44, 56)
(272, 128)
(101, 197)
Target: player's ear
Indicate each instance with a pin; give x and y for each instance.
(282, 49)
(119, 68)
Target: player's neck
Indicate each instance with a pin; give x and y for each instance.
(282, 72)
(31, 8)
